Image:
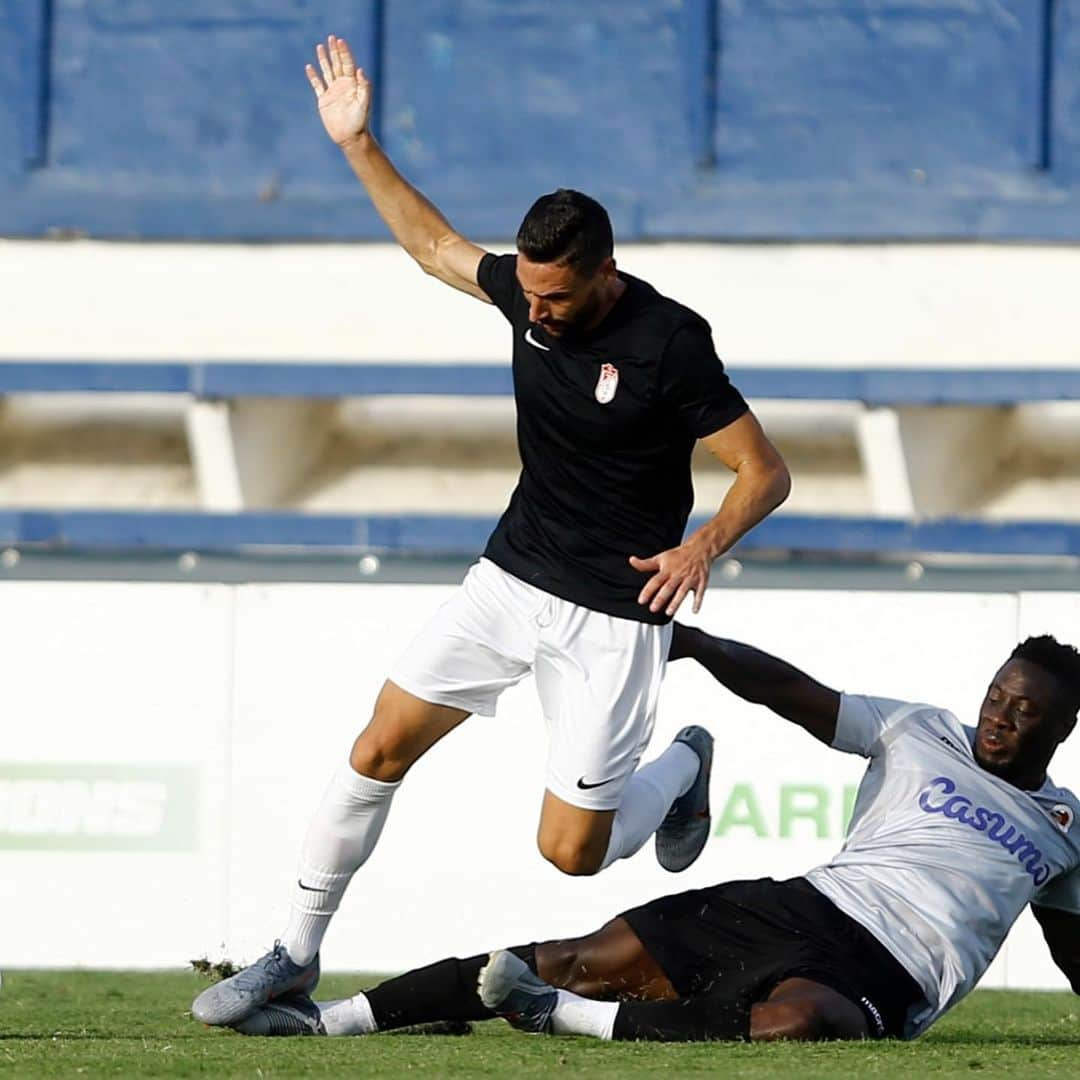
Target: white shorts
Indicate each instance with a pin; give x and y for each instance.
(598, 676)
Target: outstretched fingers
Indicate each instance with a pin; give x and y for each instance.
(335, 56)
(348, 64)
(313, 78)
(335, 62)
(324, 63)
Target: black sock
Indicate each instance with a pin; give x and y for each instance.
(445, 990)
(687, 1020)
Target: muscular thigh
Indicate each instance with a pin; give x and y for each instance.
(402, 729)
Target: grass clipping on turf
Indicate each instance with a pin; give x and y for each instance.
(223, 969)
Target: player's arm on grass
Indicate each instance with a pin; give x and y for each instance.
(762, 483)
(762, 679)
(1062, 932)
(343, 93)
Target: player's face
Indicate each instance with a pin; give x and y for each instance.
(561, 299)
(1021, 722)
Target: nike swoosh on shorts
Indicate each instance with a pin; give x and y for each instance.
(585, 785)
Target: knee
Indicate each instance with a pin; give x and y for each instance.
(573, 857)
(804, 1020)
(379, 751)
(377, 760)
(801, 1020)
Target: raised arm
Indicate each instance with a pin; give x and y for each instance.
(763, 679)
(1062, 932)
(343, 93)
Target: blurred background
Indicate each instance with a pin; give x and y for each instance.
(246, 446)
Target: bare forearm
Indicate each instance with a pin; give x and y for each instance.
(416, 223)
(747, 672)
(757, 677)
(758, 490)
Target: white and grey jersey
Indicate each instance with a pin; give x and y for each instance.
(942, 856)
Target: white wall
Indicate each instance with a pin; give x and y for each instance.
(816, 304)
(116, 696)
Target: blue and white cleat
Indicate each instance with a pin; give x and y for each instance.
(293, 1014)
(272, 976)
(508, 988)
(682, 834)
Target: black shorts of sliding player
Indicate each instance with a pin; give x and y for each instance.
(730, 945)
(445, 990)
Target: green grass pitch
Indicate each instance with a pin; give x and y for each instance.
(125, 1024)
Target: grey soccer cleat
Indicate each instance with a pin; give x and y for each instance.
(272, 976)
(293, 1014)
(682, 834)
(508, 988)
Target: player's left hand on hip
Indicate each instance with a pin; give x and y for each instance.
(675, 573)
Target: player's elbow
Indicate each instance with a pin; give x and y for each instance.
(765, 478)
(777, 481)
(427, 259)
(433, 255)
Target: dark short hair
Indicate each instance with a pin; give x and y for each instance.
(1062, 661)
(567, 227)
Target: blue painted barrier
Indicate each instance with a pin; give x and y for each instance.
(464, 535)
(872, 386)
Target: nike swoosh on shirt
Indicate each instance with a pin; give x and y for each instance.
(533, 342)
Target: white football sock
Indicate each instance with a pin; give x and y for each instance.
(349, 1017)
(339, 840)
(574, 1015)
(647, 798)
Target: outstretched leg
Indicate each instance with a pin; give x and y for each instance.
(607, 964)
(350, 819)
(797, 1008)
(341, 837)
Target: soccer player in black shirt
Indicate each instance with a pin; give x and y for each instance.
(614, 384)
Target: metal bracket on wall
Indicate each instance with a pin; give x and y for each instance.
(701, 46)
(1039, 88)
(37, 17)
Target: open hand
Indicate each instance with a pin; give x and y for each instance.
(343, 91)
(675, 573)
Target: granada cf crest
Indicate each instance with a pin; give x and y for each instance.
(607, 384)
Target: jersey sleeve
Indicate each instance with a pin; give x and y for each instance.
(695, 385)
(497, 276)
(863, 722)
(1063, 893)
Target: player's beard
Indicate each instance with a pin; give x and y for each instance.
(569, 329)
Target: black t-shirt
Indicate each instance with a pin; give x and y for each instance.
(606, 423)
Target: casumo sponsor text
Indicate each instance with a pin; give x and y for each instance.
(982, 819)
